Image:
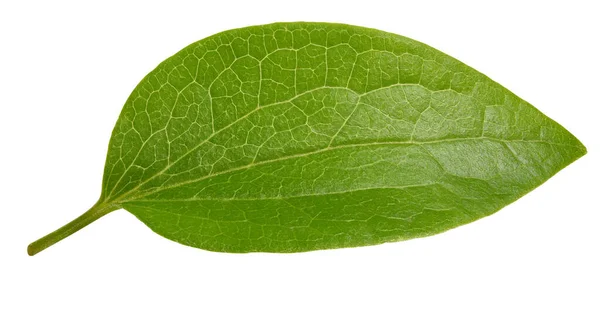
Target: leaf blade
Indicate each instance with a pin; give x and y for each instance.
(344, 86)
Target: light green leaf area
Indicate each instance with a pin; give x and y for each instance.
(301, 136)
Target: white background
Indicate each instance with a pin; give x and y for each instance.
(67, 68)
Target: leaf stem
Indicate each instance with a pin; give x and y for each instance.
(98, 210)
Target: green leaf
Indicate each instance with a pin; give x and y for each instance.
(301, 136)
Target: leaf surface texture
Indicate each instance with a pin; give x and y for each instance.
(301, 136)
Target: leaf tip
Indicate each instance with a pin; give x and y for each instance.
(581, 149)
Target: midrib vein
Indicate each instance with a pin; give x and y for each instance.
(323, 150)
(282, 197)
(258, 108)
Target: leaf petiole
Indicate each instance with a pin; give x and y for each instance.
(97, 211)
